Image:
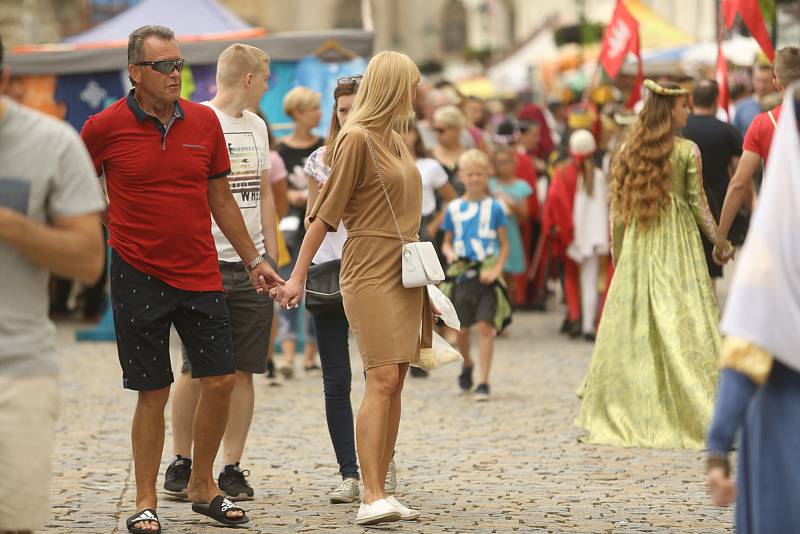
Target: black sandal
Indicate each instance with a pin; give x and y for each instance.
(217, 510)
(147, 514)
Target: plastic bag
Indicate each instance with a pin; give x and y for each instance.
(445, 307)
(441, 353)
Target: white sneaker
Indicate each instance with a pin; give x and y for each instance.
(406, 513)
(378, 512)
(346, 492)
(390, 486)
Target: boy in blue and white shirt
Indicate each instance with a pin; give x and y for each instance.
(475, 231)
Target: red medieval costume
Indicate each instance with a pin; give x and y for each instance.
(558, 231)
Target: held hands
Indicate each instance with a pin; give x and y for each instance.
(290, 294)
(263, 278)
(720, 486)
(721, 257)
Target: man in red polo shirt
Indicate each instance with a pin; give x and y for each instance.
(162, 159)
(757, 141)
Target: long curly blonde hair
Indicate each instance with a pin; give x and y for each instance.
(640, 171)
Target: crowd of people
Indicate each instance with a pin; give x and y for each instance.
(629, 216)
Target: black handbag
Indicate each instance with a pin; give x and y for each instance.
(323, 295)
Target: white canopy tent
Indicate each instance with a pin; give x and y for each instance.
(514, 73)
(738, 50)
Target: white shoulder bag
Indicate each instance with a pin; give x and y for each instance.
(419, 260)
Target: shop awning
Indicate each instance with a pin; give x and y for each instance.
(655, 31)
(76, 59)
(184, 17)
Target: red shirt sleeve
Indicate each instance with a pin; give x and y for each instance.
(95, 144)
(220, 161)
(755, 138)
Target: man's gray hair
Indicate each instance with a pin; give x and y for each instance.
(137, 37)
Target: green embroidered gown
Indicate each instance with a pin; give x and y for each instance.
(652, 378)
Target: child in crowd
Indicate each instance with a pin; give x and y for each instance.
(476, 247)
(513, 193)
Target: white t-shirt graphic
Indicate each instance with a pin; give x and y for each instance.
(248, 149)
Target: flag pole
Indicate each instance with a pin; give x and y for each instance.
(721, 67)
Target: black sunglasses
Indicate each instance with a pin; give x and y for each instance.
(350, 80)
(164, 67)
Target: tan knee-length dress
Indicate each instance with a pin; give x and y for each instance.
(390, 322)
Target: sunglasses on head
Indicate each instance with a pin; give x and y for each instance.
(164, 67)
(350, 80)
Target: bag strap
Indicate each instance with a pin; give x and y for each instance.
(383, 185)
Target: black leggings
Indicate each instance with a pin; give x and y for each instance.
(331, 330)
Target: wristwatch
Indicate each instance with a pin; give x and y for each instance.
(253, 264)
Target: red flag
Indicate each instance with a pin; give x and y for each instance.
(636, 90)
(729, 8)
(753, 19)
(621, 36)
(721, 76)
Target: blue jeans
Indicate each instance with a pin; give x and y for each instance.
(337, 377)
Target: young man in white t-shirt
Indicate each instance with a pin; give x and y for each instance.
(242, 74)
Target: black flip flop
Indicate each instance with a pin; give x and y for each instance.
(148, 514)
(216, 510)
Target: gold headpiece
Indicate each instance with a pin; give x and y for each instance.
(663, 91)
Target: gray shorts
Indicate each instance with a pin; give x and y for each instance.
(250, 318)
(474, 302)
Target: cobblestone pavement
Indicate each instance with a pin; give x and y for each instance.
(510, 465)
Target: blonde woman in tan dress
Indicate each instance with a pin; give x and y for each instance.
(389, 321)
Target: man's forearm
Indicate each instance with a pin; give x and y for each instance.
(230, 221)
(738, 189)
(73, 251)
(730, 207)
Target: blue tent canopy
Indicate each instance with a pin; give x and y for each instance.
(184, 17)
(665, 54)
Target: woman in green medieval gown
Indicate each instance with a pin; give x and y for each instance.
(652, 378)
